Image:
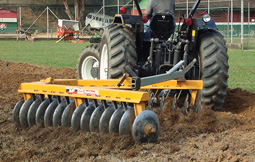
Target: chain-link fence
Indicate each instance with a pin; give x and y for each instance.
(235, 19)
(40, 20)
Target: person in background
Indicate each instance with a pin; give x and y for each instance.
(159, 6)
(154, 7)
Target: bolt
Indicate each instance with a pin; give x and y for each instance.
(149, 129)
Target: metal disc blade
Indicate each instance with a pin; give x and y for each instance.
(58, 114)
(15, 112)
(197, 107)
(49, 113)
(23, 112)
(41, 111)
(95, 117)
(67, 115)
(105, 119)
(32, 111)
(146, 127)
(115, 120)
(76, 118)
(174, 103)
(85, 118)
(126, 122)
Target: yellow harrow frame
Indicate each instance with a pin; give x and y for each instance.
(119, 104)
(105, 90)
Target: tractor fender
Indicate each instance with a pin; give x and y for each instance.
(201, 25)
(128, 19)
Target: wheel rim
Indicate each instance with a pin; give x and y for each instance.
(88, 64)
(104, 62)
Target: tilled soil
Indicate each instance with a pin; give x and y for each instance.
(227, 135)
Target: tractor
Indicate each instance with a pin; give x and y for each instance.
(130, 75)
(125, 43)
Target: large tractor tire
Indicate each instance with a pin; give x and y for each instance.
(88, 63)
(213, 69)
(117, 50)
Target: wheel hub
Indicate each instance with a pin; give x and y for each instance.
(149, 129)
(90, 68)
(94, 72)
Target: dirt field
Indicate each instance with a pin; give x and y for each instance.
(228, 135)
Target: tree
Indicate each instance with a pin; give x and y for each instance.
(79, 5)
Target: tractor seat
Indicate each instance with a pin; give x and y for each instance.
(162, 26)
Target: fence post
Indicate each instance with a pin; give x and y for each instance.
(231, 21)
(208, 6)
(248, 24)
(242, 23)
(51, 33)
(118, 8)
(187, 8)
(103, 12)
(20, 24)
(47, 22)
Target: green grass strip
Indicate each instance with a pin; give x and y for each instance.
(45, 53)
(65, 54)
(242, 69)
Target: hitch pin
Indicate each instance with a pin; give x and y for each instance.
(122, 80)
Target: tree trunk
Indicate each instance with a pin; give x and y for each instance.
(82, 13)
(79, 7)
(76, 9)
(65, 2)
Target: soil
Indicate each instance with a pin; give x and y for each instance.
(227, 135)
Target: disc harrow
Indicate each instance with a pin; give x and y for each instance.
(104, 106)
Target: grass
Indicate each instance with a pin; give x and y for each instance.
(248, 43)
(65, 54)
(241, 69)
(46, 53)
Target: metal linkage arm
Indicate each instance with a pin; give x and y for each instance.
(169, 75)
(194, 8)
(138, 8)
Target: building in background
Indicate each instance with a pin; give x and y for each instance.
(8, 21)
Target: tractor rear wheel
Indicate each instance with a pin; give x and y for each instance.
(88, 63)
(117, 50)
(213, 69)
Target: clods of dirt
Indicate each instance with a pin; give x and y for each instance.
(227, 135)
